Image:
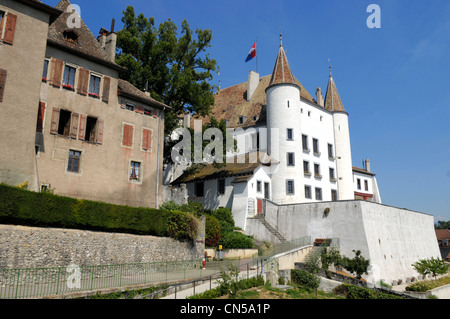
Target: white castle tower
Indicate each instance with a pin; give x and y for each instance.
(344, 166)
(283, 132)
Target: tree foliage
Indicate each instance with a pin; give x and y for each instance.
(358, 264)
(434, 266)
(175, 68)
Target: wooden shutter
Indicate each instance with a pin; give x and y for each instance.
(74, 121)
(146, 140)
(3, 74)
(57, 69)
(82, 127)
(100, 125)
(106, 88)
(83, 81)
(40, 117)
(55, 121)
(127, 139)
(10, 28)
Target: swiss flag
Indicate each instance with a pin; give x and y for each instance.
(252, 53)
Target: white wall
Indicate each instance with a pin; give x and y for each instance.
(392, 238)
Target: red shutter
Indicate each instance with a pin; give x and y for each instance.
(55, 121)
(3, 74)
(127, 135)
(10, 28)
(100, 125)
(57, 68)
(74, 125)
(106, 88)
(146, 140)
(82, 127)
(40, 117)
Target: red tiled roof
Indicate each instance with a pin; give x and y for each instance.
(333, 101)
(442, 234)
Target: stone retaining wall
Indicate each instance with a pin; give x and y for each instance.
(31, 247)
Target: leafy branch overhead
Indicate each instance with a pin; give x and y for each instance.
(176, 70)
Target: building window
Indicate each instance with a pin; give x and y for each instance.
(291, 159)
(330, 152)
(332, 177)
(129, 107)
(366, 185)
(306, 170)
(305, 143)
(241, 119)
(318, 193)
(358, 183)
(91, 129)
(69, 77)
(74, 161)
(258, 187)
(199, 189)
(45, 71)
(333, 195)
(135, 171)
(64, 122)
(94, 86)
(255, 141)
(316, 147)
(290, 187)
(308, 192)
(146, 139)
(317, 171)
(290, 134)
(221, 186)
(70, 36)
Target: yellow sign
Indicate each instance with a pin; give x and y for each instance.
(220, 247)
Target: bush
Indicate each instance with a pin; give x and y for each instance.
(305, 279)
(235, 240)
(22, 207)
(355, 292)
(213, 230)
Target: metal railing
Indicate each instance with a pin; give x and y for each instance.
(40, 282)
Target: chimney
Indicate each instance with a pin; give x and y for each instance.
(367, 165)
(110, 42)
(253, 82)
(319, 97)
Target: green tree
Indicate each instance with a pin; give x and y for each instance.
(175, 69)
(358, 264)
(433, 266)
(442, 224)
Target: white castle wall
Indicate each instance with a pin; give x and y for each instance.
(392, 238)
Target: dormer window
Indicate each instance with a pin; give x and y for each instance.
(241, 119)
(70, 36)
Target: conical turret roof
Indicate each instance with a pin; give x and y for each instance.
(333, 101)
(282, 72)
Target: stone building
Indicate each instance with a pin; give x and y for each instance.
(78, 129)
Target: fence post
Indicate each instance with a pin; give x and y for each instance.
(17, 284)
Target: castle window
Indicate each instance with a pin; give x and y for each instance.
(45, 71)
(358, 183)
(308, 192)
(290, 134)
(130, 107)
(366, 185)
(305, 143)
(330, 152)
(333, 195)
(74, 161)
(258, 187)
(199, 189)
(290, 187)
(221, 186)
(291, 159)
(64, 122)
(316, 147)
(318, 193)
(306, 168)
(332, 177)
(91, 129)
(317, 171)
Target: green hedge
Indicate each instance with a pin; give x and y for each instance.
(355, 292)
(22, 207)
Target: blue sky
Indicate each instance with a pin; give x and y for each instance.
(393, 81)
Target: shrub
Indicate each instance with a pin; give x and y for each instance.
(22, 207)
(235, 240)
(305, 279)
(355, 292)
(212, 229)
